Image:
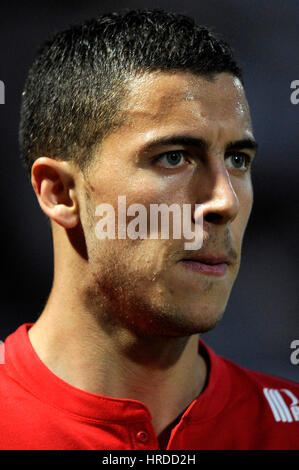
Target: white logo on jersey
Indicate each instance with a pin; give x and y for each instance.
(280, 409)
(2, 353)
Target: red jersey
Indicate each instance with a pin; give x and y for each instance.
(239, 409)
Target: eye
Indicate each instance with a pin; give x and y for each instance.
(238, 161)
(172, 159)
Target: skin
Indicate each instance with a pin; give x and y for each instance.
(131, 305)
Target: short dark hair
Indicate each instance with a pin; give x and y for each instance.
(77, 82)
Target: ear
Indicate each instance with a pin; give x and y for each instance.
(53, 182)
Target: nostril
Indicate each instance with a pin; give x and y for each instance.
(213, 217)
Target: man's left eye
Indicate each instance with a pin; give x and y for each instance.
(238, 161)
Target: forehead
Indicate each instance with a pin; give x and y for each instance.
(163, 104)
(164, 97)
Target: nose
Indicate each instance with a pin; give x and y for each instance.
(219, 202)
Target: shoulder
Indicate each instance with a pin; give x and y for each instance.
(276, 395)
(252, 394)
(260, 411)
(255, 378)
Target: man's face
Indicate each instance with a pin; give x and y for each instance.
(144, 284)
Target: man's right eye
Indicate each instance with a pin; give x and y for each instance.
(172, 159)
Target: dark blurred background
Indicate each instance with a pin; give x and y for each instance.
(261, 319)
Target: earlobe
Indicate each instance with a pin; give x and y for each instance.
(53, 183)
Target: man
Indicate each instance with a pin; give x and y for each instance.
(146, 105)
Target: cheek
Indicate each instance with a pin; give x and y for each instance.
(159, 189)
(245, 195)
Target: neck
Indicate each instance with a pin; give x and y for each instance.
(151, 370)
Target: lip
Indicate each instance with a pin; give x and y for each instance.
(210, 265)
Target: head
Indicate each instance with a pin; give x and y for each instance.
(147, 105)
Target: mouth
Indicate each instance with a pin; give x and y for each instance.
(211, 265)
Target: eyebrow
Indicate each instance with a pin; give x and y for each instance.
(198, 142)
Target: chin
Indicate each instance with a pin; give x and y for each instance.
(203, 323)
(199, 316)
(182, 323)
